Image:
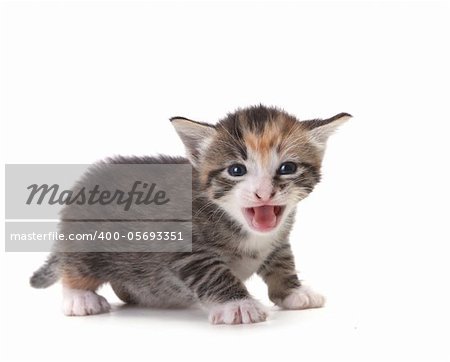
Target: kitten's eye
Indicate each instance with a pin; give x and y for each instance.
(287, 168)
(237, 170)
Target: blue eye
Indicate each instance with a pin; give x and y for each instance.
(237, 170)
(287, 168)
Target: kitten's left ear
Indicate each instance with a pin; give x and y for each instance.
(195, 136)
(321, 129)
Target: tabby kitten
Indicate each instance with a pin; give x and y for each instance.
(249, 172)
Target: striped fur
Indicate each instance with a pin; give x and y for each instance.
(225, 250)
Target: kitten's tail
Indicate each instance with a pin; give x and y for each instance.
(47, 274)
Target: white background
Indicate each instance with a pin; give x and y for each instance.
(84, 80)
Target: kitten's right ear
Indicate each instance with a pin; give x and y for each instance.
(195, 136)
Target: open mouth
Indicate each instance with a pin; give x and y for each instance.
(263, 218)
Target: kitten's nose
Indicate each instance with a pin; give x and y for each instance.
(265, 195)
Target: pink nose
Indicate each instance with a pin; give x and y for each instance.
(265, 195)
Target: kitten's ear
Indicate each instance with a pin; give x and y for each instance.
(195, 136)
(321, 129)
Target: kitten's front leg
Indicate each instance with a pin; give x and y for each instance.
(219, 291)
(285, 289)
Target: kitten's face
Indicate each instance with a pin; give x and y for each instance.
(257, 163)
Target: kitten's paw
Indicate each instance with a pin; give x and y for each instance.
(243, 311)
(83, 302)
(303, 298)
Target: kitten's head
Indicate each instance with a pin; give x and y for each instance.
(257, 163)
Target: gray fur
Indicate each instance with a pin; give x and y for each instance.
(221, 258)
(47, 274)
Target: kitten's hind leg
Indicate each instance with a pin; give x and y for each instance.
(122, 293)
(80, 298)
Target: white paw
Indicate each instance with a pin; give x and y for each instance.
(241, 311)
(83, 302)
(303, 298)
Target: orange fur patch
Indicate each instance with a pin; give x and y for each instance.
(78, 282)
(264, 143)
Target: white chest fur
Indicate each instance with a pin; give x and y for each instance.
(257, 248)
(244, 268)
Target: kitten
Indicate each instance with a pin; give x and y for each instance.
(249, 172)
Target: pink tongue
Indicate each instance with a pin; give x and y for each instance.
(264, 217)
